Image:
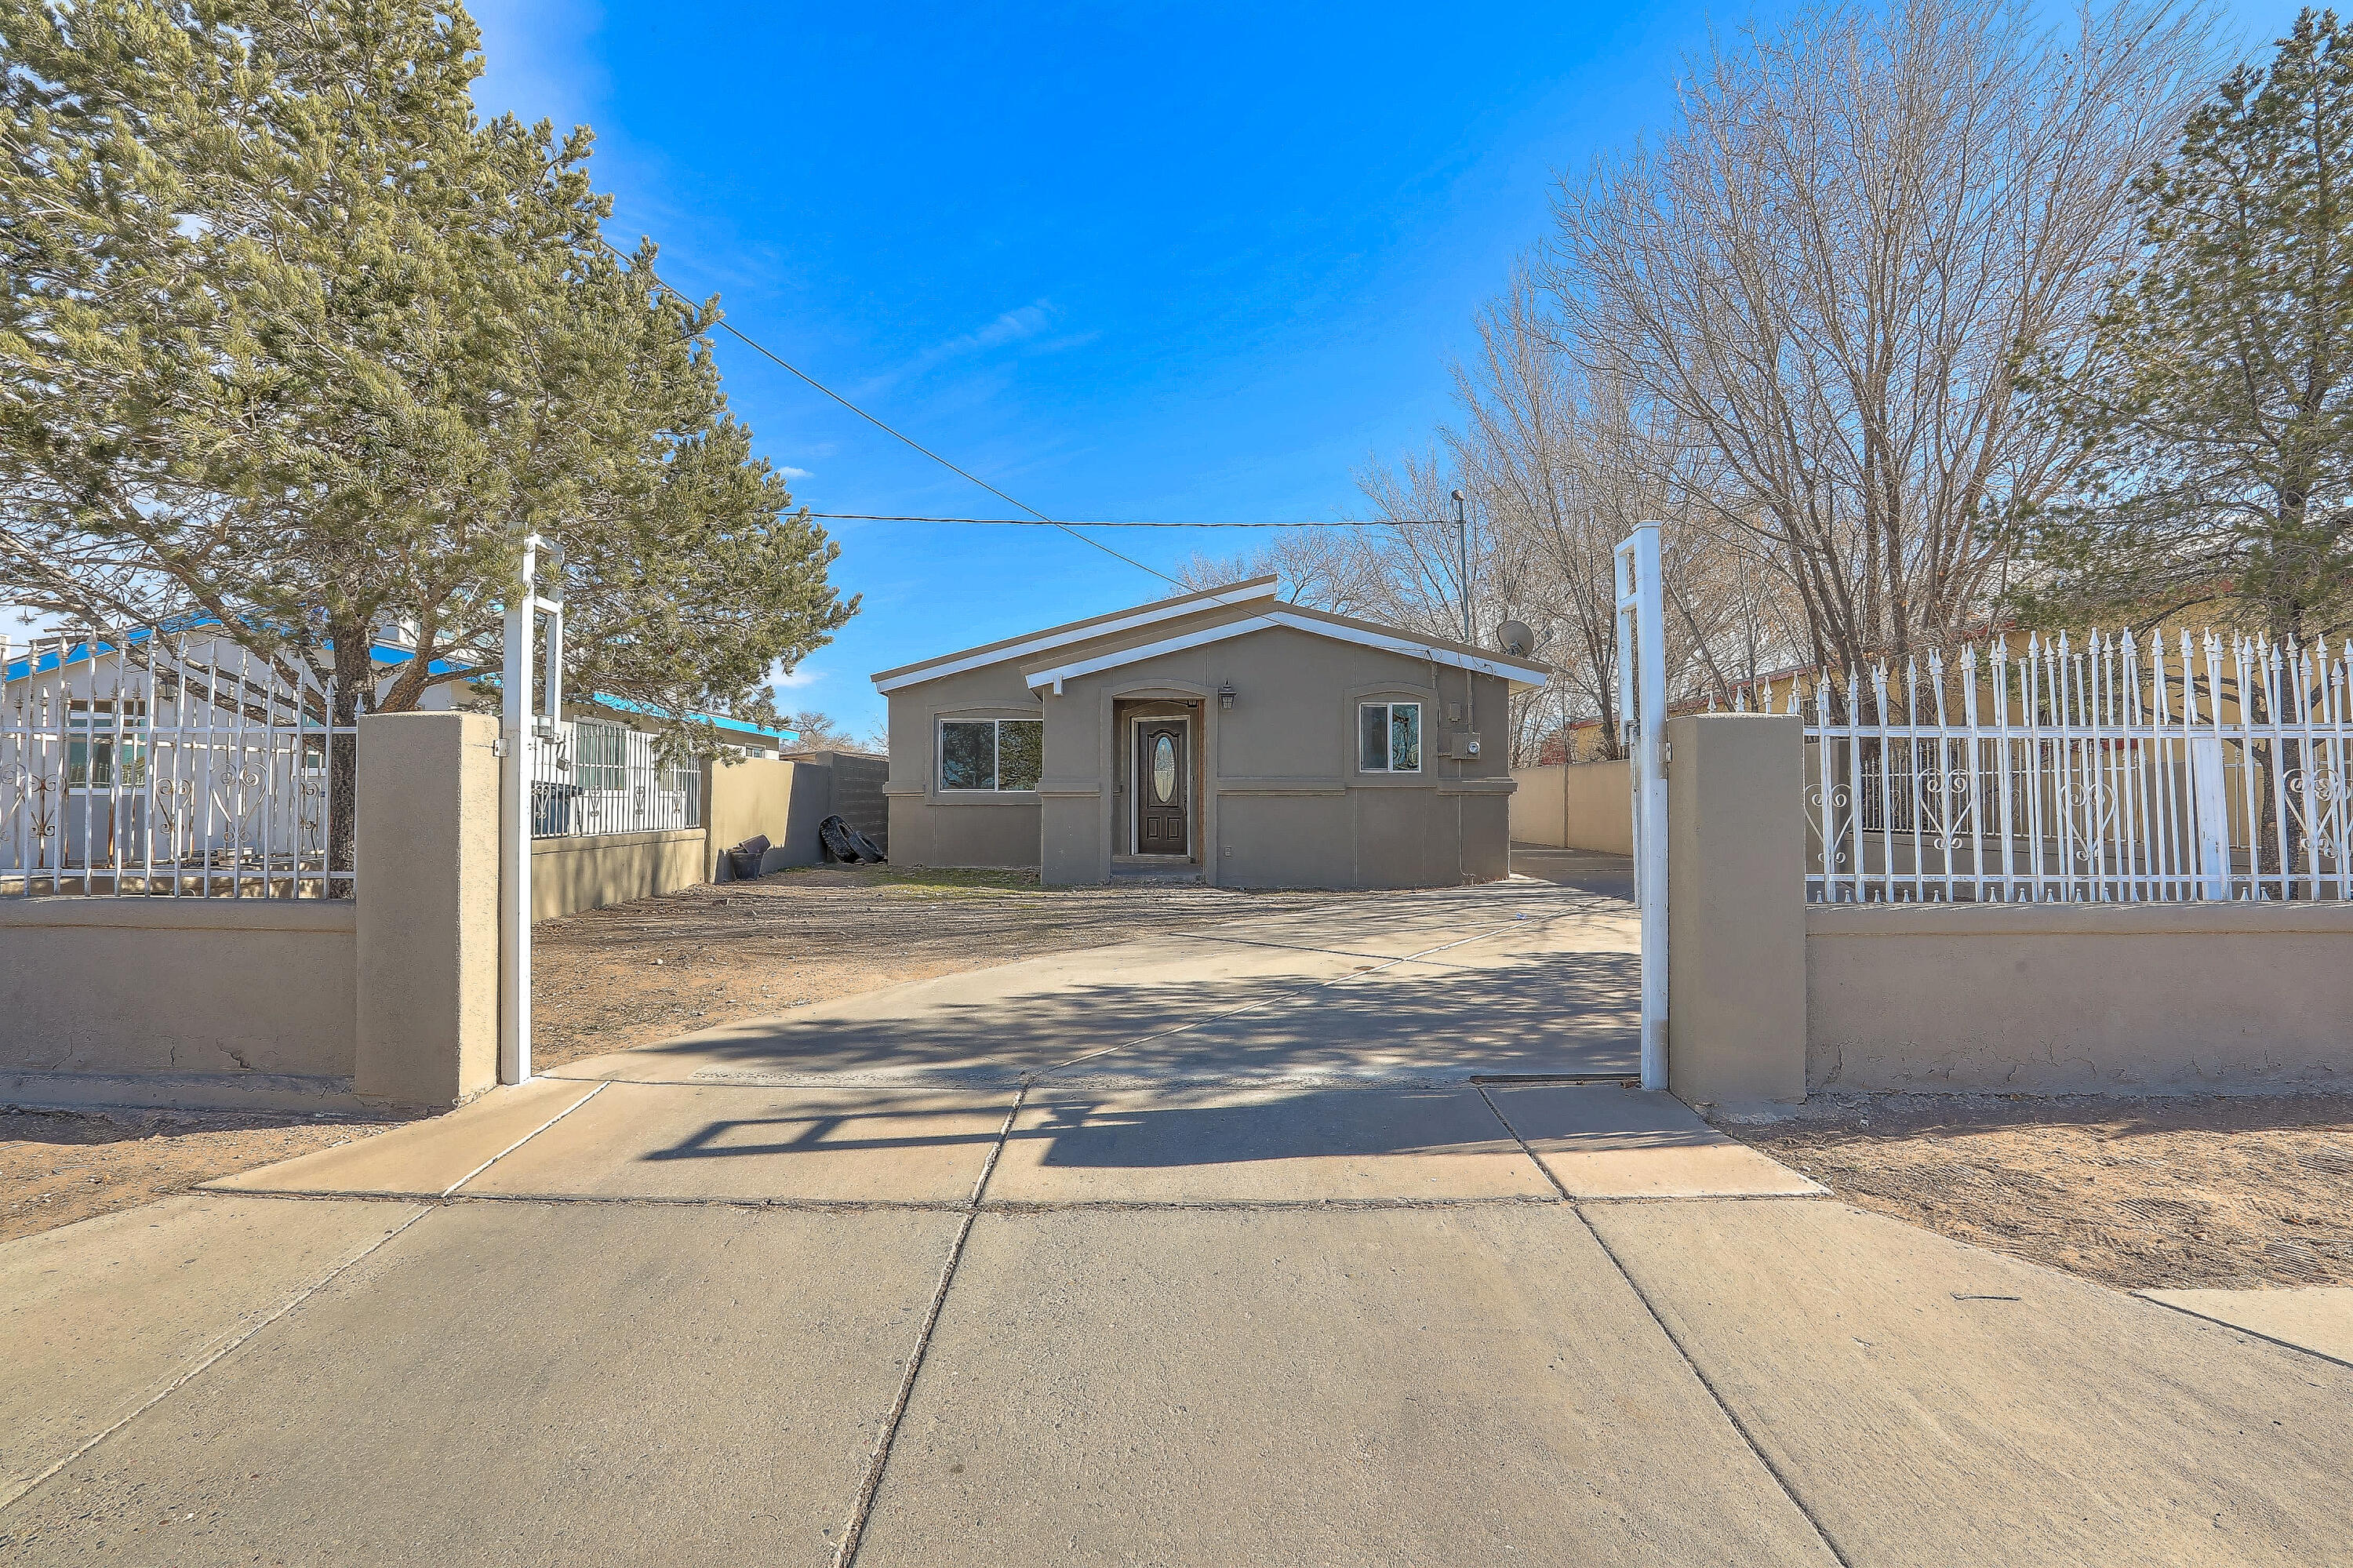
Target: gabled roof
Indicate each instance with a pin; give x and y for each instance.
(1250, 591)
(1242, 620)
(1107, 642)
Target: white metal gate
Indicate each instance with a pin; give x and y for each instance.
(1643, 730)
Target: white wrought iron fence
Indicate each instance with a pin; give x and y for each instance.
(2105, 772)
(173, 762)
(593, 776)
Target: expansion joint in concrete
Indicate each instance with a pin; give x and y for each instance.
(1780, 1478)
(862, 1508)
(209, 1362)
(527, 1137)
(1651, 1307)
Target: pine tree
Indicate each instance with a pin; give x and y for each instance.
(296, 340)
(2214, 412)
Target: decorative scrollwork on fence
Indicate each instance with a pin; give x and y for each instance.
(2182, 766)
(172, 761)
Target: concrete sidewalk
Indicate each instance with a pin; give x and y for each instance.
(1133, 1260)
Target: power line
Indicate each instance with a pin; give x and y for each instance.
(770, 353)
(1036, 522)
(1042, 519)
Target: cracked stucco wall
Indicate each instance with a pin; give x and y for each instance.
(178, 986)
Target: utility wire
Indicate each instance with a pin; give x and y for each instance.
(762, 349)
(1035, 522)
(1042, 519)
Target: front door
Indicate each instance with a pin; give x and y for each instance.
(1162, 773)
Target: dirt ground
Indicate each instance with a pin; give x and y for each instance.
(57, 1167)
(2221, 1191)
(636, 973)
(630, 975)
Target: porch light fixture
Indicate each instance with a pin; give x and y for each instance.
(1225, 694)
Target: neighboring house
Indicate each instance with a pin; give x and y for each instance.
(191, 749)
(1223, 734)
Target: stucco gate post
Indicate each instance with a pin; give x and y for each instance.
(427, 826)
(1737, 908)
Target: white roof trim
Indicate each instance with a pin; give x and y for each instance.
(1509, 669)
(957, 664)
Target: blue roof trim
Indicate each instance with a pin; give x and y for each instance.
(35, 663)
(720, 721)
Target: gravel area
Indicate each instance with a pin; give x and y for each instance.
(2212, 1191)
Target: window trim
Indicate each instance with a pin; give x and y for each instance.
(996, 723)
(606, 735)
(1421, 737)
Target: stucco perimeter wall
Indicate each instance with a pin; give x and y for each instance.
(181, 986)
(931, 826)
(2067, 999)
(782, 801)
(1587, 806)
(391, 997)
(569, 874)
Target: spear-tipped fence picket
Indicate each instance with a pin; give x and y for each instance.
(172, 762)
(2101, 772)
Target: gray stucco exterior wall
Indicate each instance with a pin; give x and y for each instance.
(931, 826)
(1280, 801)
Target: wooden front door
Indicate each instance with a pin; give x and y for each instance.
(1163, 777)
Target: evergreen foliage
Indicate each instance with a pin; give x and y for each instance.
(295, 339)
(2213, 413)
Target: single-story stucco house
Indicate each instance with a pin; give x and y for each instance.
(1223, 734)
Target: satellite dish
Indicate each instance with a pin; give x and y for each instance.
(1514, 638)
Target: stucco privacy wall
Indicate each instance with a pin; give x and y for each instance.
(1584, 805)
(1769, 997)
(781, 801)
(2071, 999)
(569, 874)
(178, 986)
(1284, 804)
(391, 997)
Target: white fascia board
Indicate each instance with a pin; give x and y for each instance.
(957, 664)
(1528, 674)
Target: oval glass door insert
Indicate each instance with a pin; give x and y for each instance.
(1164, 770)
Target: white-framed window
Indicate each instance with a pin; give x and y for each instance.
(1388, 738)
(992, 754)
(599, 755)
(98, 737)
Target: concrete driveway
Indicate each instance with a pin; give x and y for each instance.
(1322, 1238)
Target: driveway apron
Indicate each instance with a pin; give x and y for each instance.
(1327, 1236)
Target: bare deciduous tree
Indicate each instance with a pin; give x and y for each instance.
(1827, 275)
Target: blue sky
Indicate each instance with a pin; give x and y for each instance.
(1145, 262)
(1142, 262)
